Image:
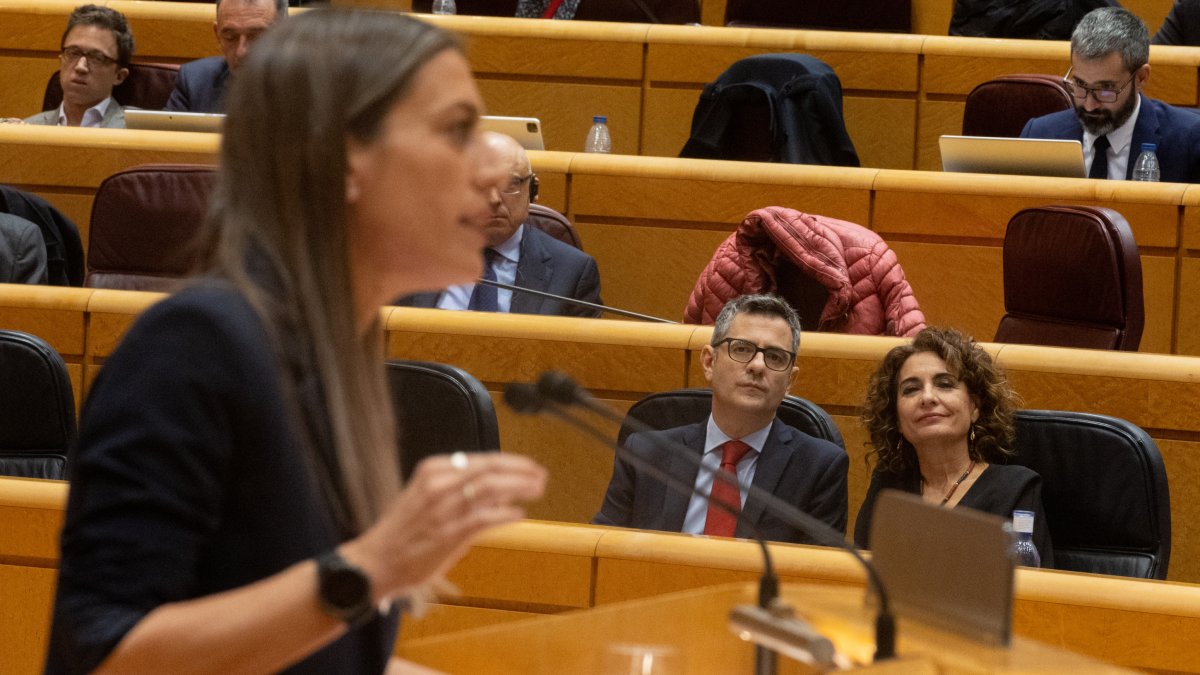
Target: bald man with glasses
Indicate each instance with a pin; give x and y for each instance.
(1110, 52)
(519, 254)
(96, 47)
(750, 363)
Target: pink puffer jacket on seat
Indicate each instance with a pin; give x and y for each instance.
(868, 294)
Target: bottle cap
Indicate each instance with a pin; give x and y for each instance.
(599, 119)
(1023, 522)
(1149, 147)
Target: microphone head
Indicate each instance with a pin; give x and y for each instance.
(558, 386)
(523, 397)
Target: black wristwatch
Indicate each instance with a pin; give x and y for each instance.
(344, 590)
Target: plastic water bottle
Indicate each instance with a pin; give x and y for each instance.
(1024, 549)
(598, 138)
(1146, 167)
(444, 7)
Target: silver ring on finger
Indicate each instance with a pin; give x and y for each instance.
(458, 460)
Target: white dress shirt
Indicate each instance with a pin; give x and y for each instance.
(1118, 149)
(505, 265)
(697, 511)
(92, 117)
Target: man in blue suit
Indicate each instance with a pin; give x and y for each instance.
(1110, 50)
(521, 255)
(750, 364)
(201, 84)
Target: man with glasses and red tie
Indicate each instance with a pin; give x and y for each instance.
(96, 48)
(521, 255)
(1110, 52)
(750, 363)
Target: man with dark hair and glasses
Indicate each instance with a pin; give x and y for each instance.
(96, 48)
(1110, 53)
(750, 363)
(520, 254)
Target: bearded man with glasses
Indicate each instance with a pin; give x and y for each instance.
(1110, 52)
(96, 48)
(750, 363)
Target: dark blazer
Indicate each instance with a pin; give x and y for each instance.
(187, 479)
(549, 265)
(200, 86)
(1182, 25)
(1175, 131)
(806, 472)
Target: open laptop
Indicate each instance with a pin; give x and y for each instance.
(164, 120)
(526, 130)
(1022, 156)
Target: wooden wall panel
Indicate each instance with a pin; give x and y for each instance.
(956, 285)
(876, 126)
(25, 607)
(1188, 328)
(667, 121)
(566, 109)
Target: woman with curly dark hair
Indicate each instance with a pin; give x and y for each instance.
(940, 416)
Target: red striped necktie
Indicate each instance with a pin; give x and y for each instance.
(719, 522)
(554, 5)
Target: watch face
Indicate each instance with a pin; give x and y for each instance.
(346, 588)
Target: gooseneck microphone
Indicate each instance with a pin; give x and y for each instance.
(573, 301)
(530, 399)
(559, 390)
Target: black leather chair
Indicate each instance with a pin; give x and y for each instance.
(858, 15)
(669, 409)
(439, 409)
(1104, 488)
(37, 410)
(1072, 278)
(1002, 106)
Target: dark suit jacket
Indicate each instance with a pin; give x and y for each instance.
(806, 472)
(187, 482)
(549, 265)
(1182, 25)
(200, 86)
(1175, 131)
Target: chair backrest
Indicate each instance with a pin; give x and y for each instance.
(639, 11)
(1072, 278)
(37, 409)
(148, 86)
(145, 221)
(473, 7)
(859, 15)
(554, 224)
(439, 409)
(1104, 488)
(669, 409)
(1002, 106)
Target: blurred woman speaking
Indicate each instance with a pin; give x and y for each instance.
(235, 501)
(940, 416)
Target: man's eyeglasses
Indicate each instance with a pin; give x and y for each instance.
(71, 56)
(744, 351)
(513, 186)
(1101, 94)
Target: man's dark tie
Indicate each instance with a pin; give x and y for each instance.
(1099, 158)
(483, 298)
(719, 522)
